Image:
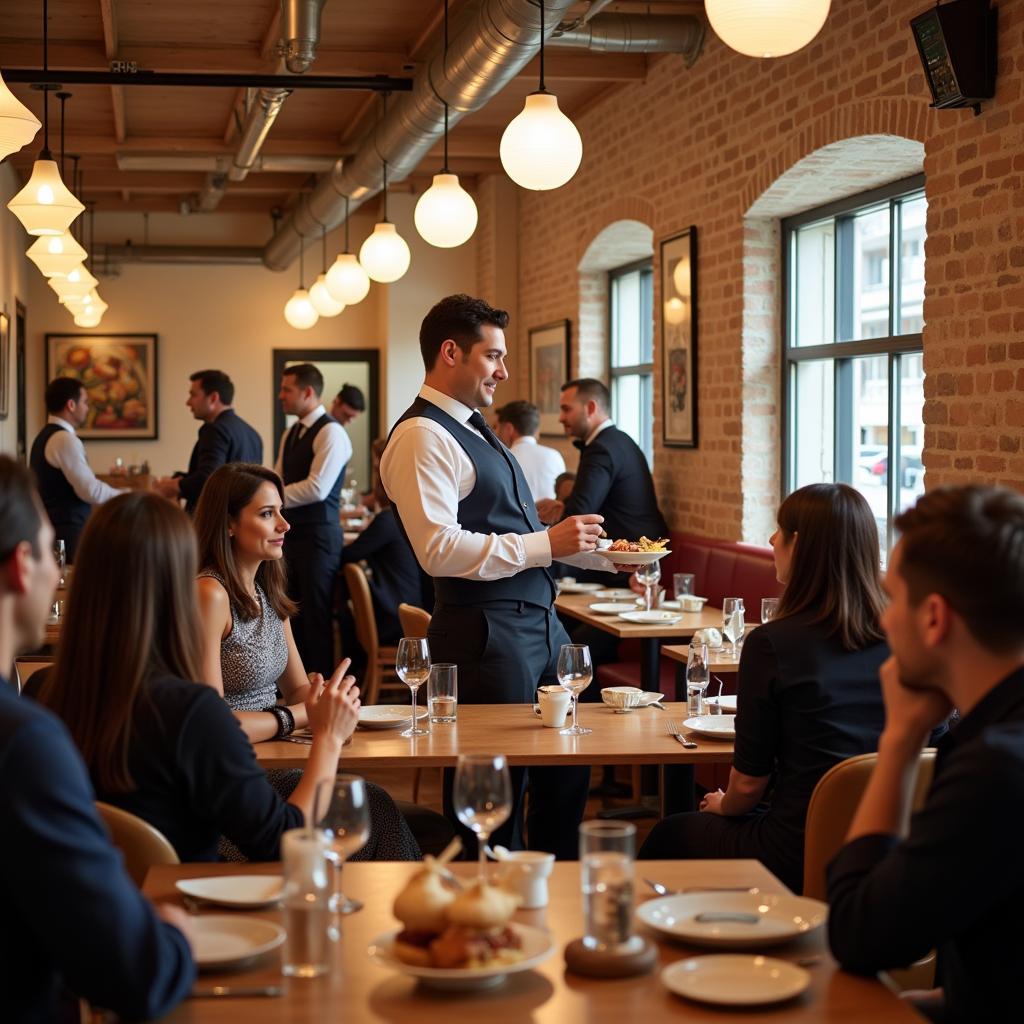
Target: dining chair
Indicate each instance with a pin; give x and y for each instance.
(415, 621)
(27, 666)
(143, 846)
(829, 813)
(380, 661)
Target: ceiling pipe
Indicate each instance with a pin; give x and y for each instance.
(220, 163)
(301, 33)
(496, 41)
(107, 258)
(636, 33)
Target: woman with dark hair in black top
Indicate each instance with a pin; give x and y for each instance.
(809, 695)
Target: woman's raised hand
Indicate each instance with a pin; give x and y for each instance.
(333, 705)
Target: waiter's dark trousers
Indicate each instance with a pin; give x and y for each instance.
(313, 556)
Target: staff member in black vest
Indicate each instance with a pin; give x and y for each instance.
(311, 461)
(468, 512)
(67, 485)
(224, 437)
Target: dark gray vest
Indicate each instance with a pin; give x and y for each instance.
(295, 461)
(66, 509)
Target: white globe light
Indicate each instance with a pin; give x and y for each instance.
(323, 301)
(45, 206)
(56, 255)
(299, 311)
(18, 125)
(346, 280)
(675, 310)
(766, 28)
(445, 214)
(385, 255)
(541, 148)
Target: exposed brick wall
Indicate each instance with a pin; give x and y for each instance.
(701, 146)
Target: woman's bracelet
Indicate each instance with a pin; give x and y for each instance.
(285, 720)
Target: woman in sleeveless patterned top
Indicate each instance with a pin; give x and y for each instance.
(249, 652)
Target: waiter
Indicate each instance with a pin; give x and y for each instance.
(311, 461)
(469, 515)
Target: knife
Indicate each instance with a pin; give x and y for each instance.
(237, 991)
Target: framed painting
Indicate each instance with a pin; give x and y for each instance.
(679, 339)
(118, 372)
(549, 370)
(5, 365)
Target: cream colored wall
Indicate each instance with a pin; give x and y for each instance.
(14, 278)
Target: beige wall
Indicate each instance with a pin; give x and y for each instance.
(14, 278)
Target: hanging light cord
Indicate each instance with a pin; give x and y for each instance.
(302, 265)
(444, 169)
(346, 225)
(63, 97)
(323, 245)
(45, 155)
(542, 87)
(384, 171)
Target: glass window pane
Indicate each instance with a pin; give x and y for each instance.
(866, 278)
(813, 422)
(814, 285)
(869, 436)
(626, 320)
(627, 405)
(911, 429)
(912, 214)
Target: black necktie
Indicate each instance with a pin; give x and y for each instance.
(579, 445)
(293, 436)
(476, 420)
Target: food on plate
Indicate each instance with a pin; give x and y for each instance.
(643, 544)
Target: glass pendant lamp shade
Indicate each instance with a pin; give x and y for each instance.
(56, 255)
(541, 148)
(77, 283)
(346, 280)
(766, 28)
(299, 311)
(18, 125)
(323, 301)
(445, 214)
(385, 255)
(45, 206)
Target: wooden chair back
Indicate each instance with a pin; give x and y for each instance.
(142, 845)
(380, 661)
(415, 621)
(26, 667)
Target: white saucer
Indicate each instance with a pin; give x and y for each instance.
(652, 618)
(579, 588)
(715, 727)
(731, 979)
(388, 716)
(245, 892)
(615, 594)
(229, 940)
(612, 607)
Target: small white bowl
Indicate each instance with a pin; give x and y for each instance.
(689, 603)
(622, 698)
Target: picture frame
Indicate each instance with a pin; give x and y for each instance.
(679, 339)
(119, 374)
(549, 370)
(5, 366)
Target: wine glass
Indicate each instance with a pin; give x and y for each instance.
(482, 797)
(732, 621)
(575, 671)
(413, 667)
(649, 575)
(61, 557)
(346, 823)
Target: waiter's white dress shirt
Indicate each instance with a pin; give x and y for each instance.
(65, 451)
(332, 450)
(541, 466)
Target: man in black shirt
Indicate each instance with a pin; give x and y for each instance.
(954, 623)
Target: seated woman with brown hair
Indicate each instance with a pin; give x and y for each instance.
(809, 694)
(125, 684)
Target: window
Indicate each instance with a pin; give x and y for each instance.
(631, 314)
(853, 381)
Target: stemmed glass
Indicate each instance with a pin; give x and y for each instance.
(413, 667)
(733, 626)
(649, 575)
(346, 823)
(60, 554)
(575, 671)
(482, 797)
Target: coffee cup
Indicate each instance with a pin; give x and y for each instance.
(525, 873)
(554, 705)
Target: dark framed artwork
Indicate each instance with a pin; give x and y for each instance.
(5, 365)
(119, 373)
(679, 339)
(549, 370)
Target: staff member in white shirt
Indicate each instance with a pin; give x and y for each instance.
(518, 427)
(67, 485)
(311, 461)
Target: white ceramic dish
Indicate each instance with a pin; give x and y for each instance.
(731, 979)
(612, 607)
(388, 716)
(242, 892)
(634, 557)
(715, 727)
(653, 618)
(726, 703)
(733, 920)
(220, 941)
(691, 604)
(537, 947)
(572, 587)
(628, 698)
(615, 594)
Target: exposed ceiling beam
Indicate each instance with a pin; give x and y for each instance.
(92, 145)
(268, 46)
(360, 122)
(189, 181)
(108, 15)
(232, 123)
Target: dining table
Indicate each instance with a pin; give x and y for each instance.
(360, 990)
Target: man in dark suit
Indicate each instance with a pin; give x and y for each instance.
(224, 437)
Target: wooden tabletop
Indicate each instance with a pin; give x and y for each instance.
(578, 606)
(720, 660)
(359, 991)
(639, 737)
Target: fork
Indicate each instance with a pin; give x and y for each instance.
(673, 731)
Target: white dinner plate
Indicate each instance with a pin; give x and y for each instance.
(731, 979)
(633, 557)
(715, 727)
(733, 920)
(229, 940)
(388, 716)
(727, 703)
(612, 607)
(536, 948)
(652, 618)
(578, 588)
(615, 594)
(243, 892)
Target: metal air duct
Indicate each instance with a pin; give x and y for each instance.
(301, 33)
(635, 33)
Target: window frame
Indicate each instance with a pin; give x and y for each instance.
(892, 346)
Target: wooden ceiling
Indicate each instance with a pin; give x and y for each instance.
(358, 37)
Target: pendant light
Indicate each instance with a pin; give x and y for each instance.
(56, 255)
(323, 301)
(45, 206)
(89, 313)
(346, 280)
(766, 28)
(541, 148)
(77, 282)
(18, 125)
(445, 214)
(298, 310)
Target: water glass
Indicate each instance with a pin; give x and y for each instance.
(575, 672)
(606, 869)
(698, 675)
(682, 584)
(649, 575)
(412, 664)
(346, 825)
(732, 621)
(306, 898)
(443, 693)
(482, 797)
(61, 557)
(769, 608)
